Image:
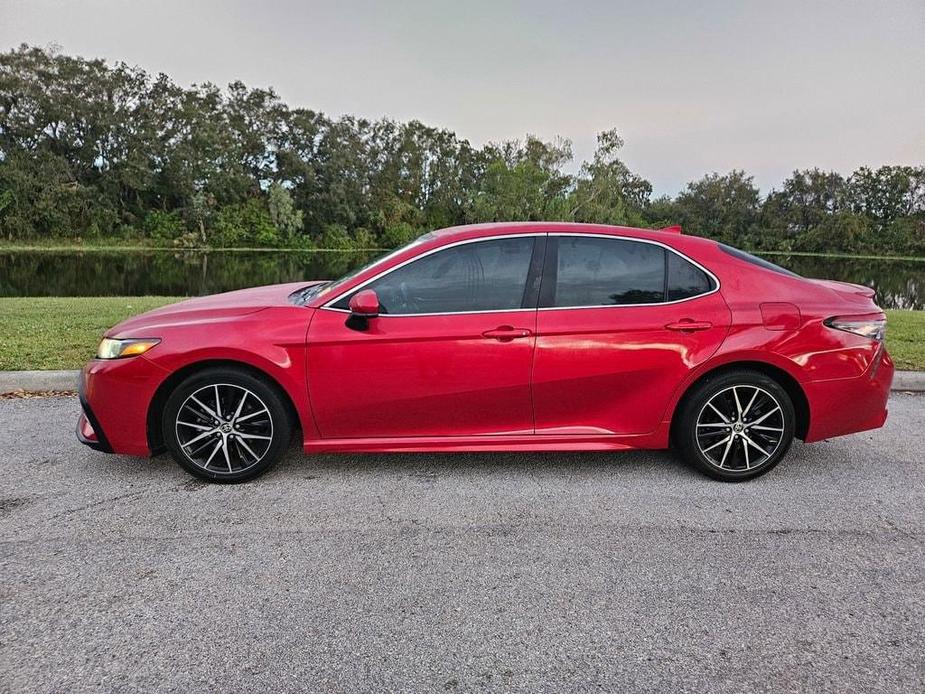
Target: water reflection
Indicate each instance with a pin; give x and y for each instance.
(898, 283)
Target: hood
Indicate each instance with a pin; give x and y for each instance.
(208, 309)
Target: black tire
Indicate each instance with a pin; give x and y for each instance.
(250, 437)
(729, 450)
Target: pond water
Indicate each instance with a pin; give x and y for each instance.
(898, 283)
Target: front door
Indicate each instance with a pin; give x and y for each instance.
(449, 355)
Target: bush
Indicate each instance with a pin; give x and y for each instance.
(335, 237)
(398, 235)
(363, 239)
(244, 224)
(163, 226)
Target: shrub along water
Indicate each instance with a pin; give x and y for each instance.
(91, 150)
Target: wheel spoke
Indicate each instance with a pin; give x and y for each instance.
(195, 426)
(218, 403)
(218, 444)
(714, 425)
(751, 402)
(721, 415)
(254, 436)
(748, 465)
(237, 412)
(248, 448)
(225, 453)
(726, 451)
(765, 416)
(717, 444)
(204, 406)
(754, 445)
(761, 428)
(253, 414)
(735, 396)
(200, 437)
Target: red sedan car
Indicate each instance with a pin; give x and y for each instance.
(501, 337)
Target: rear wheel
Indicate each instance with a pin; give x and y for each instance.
(736, 426)
(225, 425)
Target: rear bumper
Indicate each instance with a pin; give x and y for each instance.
(849, 405)
(114, 399)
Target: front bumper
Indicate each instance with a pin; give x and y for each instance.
(114, 398)
(89, 431)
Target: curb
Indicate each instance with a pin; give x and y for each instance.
(38, 381)
(913, 381)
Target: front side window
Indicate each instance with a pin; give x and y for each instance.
(480, 276)
(608, 272)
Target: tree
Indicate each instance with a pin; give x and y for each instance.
(722, 207)
(607, 192)
(286, 218)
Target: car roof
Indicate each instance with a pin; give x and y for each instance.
(468, 231)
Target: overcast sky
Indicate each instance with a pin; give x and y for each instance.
(693, 87)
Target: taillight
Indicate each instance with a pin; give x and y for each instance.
(873, 327)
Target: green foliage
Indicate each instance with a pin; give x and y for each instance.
(398, 235)
(92, 150)
(163, 226)
(336, 237)
(245, 224)
(286, 218)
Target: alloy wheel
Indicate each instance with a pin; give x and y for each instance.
(740, 428)
(224, 428)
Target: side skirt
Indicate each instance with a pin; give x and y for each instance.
(488, 444)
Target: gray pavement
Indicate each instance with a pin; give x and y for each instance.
(540, 572)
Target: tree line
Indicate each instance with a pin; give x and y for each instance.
(90, 150)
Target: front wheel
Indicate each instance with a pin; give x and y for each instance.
(736, 426)
(225, 425)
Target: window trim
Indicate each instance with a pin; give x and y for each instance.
(329, 304)
(637, 240)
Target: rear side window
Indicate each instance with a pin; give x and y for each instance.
(608, 272)
(686, 279)
(481, 276)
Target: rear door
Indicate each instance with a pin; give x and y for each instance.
(621, 322)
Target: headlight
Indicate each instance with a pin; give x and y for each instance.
(117, 349)
(873, 327)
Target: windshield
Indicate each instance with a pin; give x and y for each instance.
(331, 288)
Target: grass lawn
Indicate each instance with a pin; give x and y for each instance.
(62, 333)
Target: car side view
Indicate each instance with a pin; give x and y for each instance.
(501, 337)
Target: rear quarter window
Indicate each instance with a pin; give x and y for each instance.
(686, 280)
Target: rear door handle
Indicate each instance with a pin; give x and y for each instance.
(687, 325)
(506, 333)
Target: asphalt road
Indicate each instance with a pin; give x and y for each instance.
(541, 572)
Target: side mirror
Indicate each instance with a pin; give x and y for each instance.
(364, 304)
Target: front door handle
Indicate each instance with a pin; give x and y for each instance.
(686, 325)
(506, 333)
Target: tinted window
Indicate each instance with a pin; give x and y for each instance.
(755, 260)
(481, 276)
(685, 279)
(604, 272)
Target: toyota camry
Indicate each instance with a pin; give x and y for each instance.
(501, 337)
